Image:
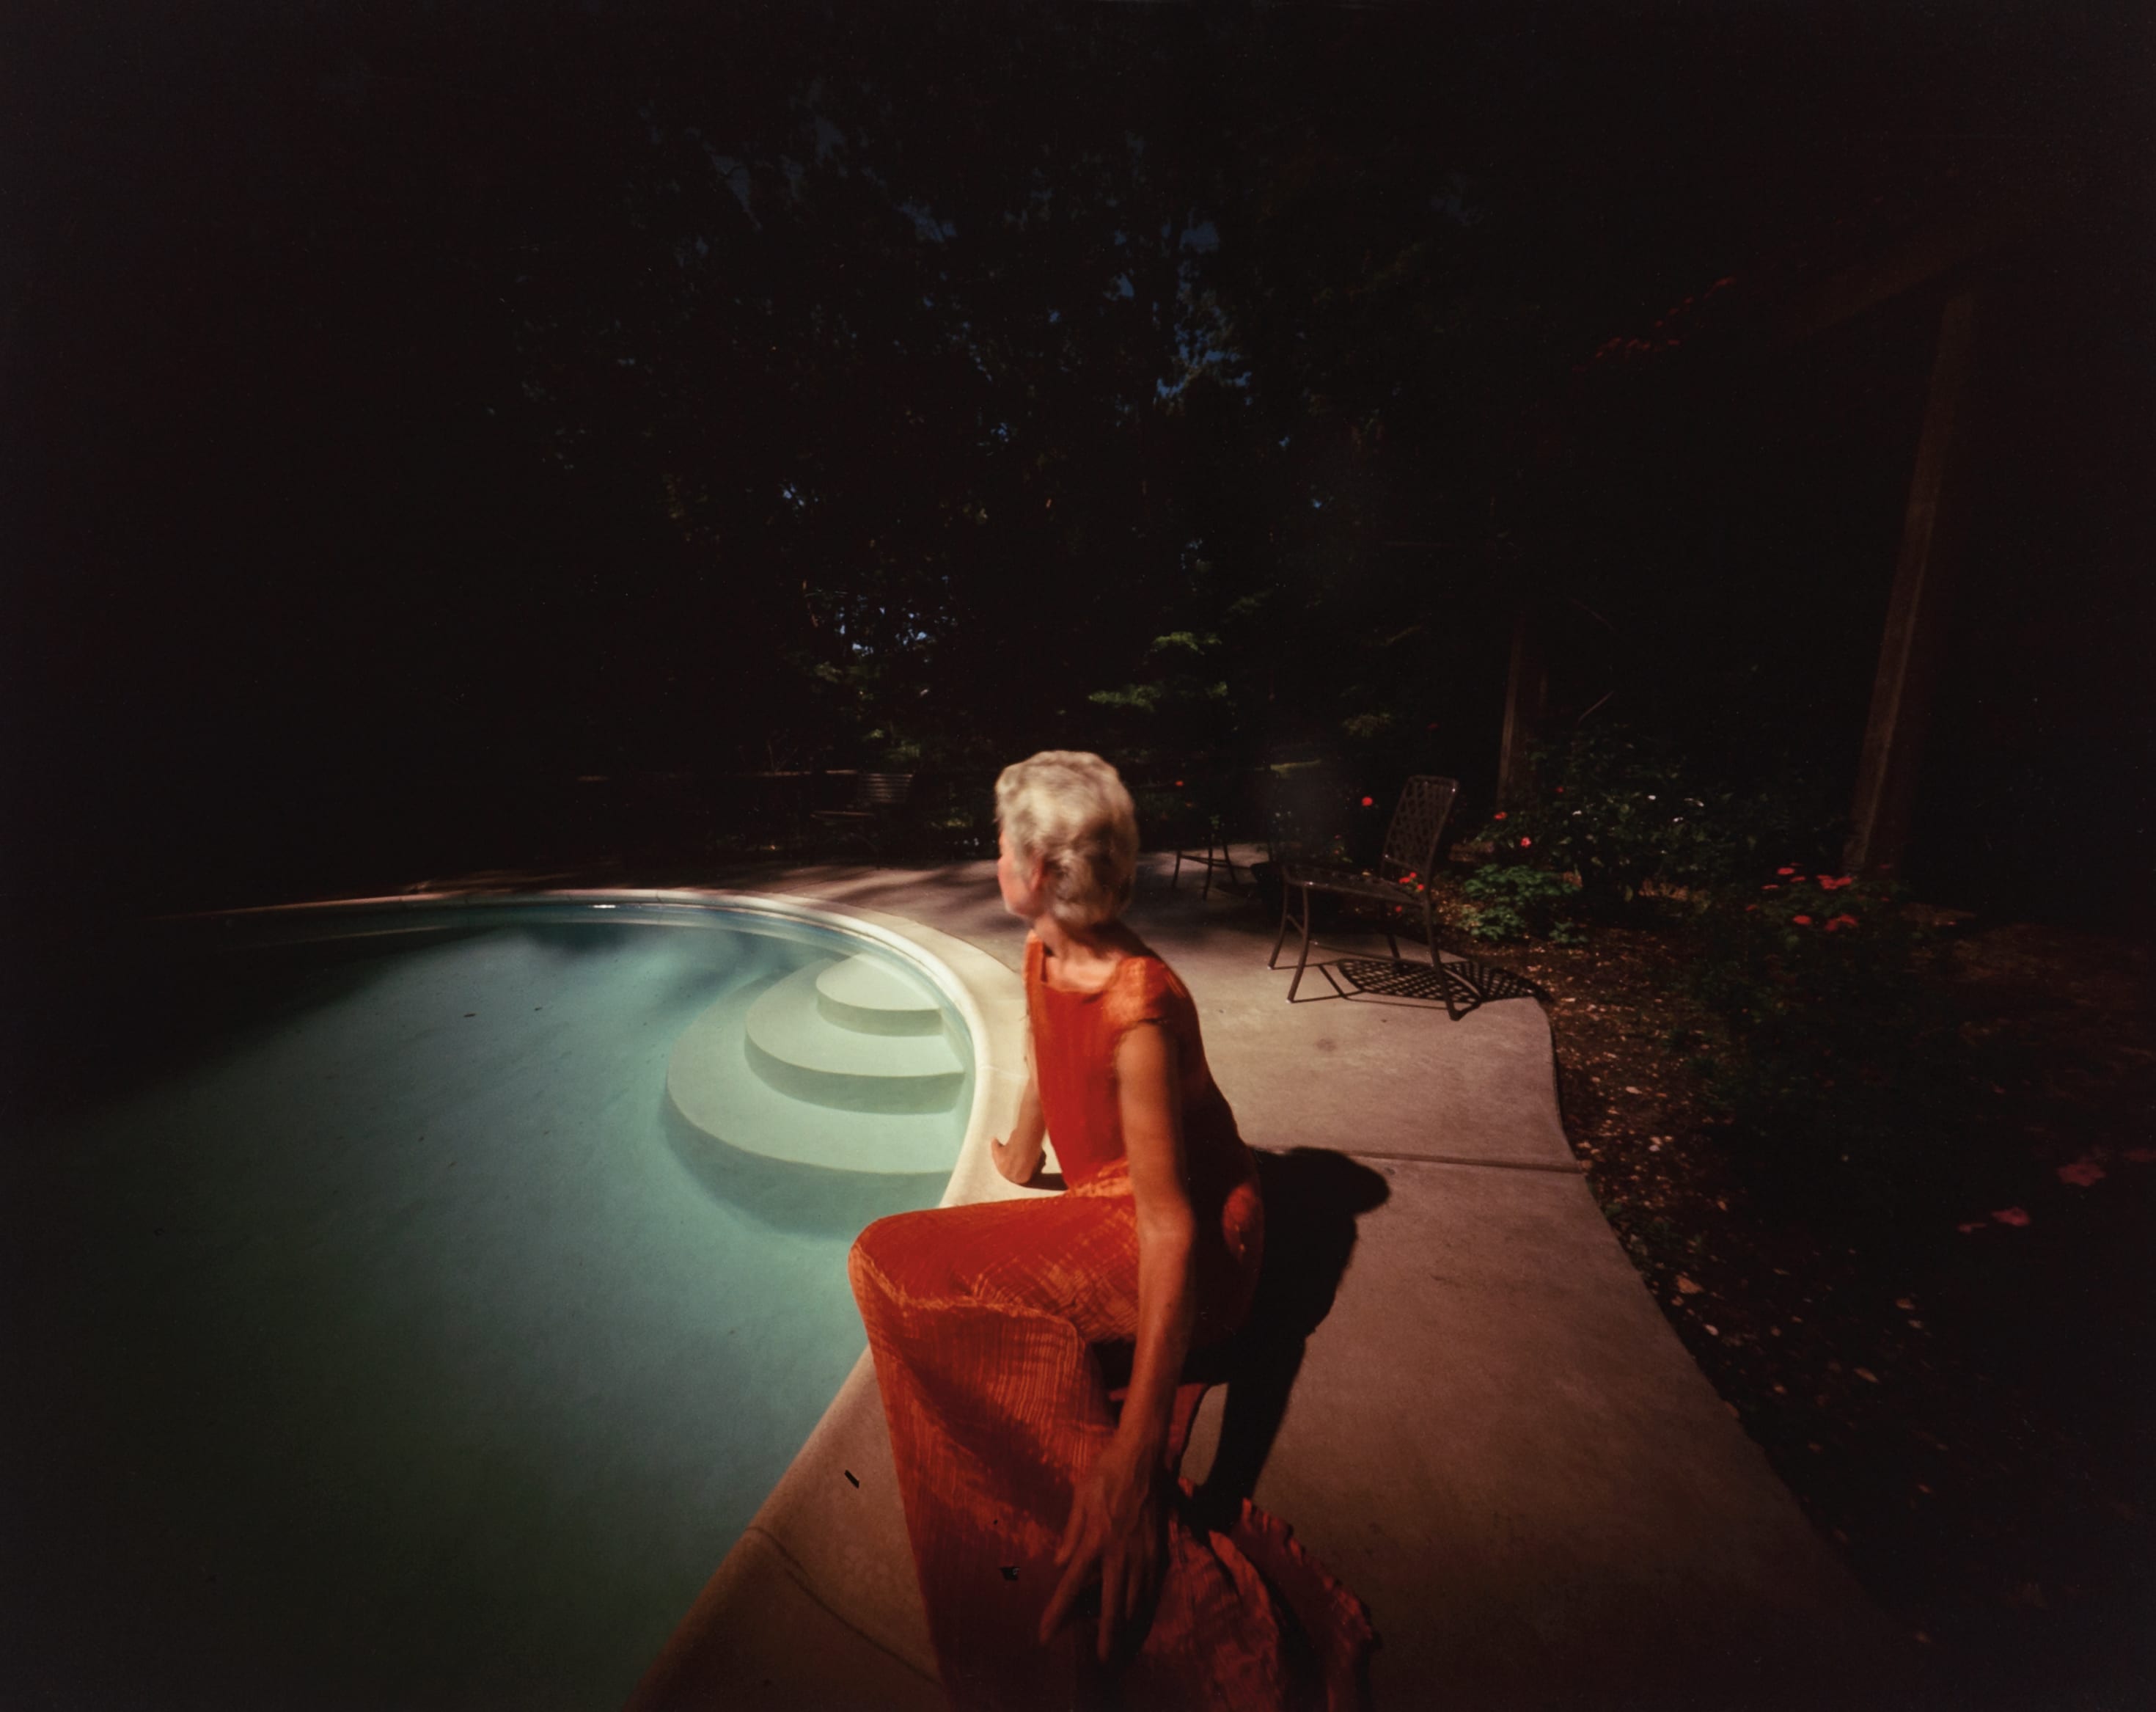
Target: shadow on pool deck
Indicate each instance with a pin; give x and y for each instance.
(1312, 1201)
(1492, 1436)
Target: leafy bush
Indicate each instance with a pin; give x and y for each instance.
(1512, 901)
(1839, 1064)
(1623, 813)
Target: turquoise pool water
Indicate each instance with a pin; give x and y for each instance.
(403, 1343)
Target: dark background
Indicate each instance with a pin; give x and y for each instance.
(408, 410)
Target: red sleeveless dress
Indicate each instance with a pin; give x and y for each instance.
(982, 1321)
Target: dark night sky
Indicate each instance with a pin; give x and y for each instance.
(302, 589)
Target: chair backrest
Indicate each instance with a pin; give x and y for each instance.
(881, 790)
(1418, 823)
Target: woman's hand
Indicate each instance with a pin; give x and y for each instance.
(1019, 1158)
(1118, 1527)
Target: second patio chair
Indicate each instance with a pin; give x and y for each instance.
(1197, 827)
(1409, 854)
(878, 800)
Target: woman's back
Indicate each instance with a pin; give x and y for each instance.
(1074, 1035)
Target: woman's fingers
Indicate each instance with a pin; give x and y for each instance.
(1112, 1576)
(1058, 1603)
(1125, 1558)
(1079, 1553)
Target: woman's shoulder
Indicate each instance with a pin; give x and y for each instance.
(1144, 989)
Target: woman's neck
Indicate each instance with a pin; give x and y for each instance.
(1086, 957)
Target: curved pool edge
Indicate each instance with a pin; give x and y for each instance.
(987, 995)
(821, 1585)
(819, 1589)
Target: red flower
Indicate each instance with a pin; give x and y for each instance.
(1802, 921)
(1770, 886)
(1841, 921)
(1785, 871)
(1560, 790)
(1500, 813)
(1525, 843)
(2085, 1172)
(1749, 908)
(1367, 801)
(1178, 785)
(2011, 1215)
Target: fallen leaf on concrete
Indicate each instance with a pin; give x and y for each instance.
(1687, 1287)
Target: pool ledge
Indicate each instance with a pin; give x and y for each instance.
(818, 1597)
(817, 1601)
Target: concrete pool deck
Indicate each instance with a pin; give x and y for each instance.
(1491, 1434)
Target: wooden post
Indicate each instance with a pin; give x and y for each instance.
(1526, 694)
(1908, 651)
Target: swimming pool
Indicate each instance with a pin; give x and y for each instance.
(425, 1332)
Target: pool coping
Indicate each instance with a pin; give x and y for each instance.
(829, 1543)
(827, 1547)
(987, 995)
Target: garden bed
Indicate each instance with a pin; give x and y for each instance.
(1961, 1396)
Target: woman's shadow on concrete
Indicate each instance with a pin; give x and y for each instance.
(1313, 1197)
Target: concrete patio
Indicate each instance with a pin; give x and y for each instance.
(1491, 1434)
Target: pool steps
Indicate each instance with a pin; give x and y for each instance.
(871, 998)
(853, 1071)
(797, 1045)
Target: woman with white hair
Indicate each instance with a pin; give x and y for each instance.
(1025, 1491)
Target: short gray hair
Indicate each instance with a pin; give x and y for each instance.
(1069, 811)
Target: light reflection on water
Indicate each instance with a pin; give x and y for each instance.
(392, 1354)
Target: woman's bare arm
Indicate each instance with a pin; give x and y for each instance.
(1019, 1158)
(1115, 1519)
(1152, 1142)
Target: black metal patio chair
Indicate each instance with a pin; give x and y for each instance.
(1409, 854)
(1198, 830)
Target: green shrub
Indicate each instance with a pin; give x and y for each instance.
(1624, 814)
(1514, 900)
(1839, 1065)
